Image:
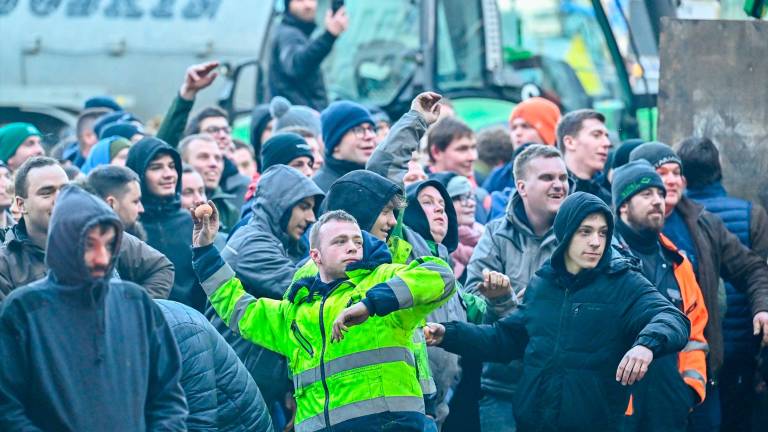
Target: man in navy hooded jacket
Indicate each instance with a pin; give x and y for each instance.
(82, 351)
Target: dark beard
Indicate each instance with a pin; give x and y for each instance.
(137, 230)
(643, 227)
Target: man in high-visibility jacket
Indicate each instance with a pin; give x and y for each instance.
(347, 331)
(674, 384)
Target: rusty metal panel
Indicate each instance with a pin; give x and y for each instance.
(714, 83)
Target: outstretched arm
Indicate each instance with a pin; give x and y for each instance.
(502, 341)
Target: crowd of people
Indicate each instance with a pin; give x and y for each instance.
(343, 272)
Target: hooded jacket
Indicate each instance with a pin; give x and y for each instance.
(508, 246)
(22, 262)
(262, 254)
(368, 374)
(265, 258)
(363, 194)
(82, 353)
(220, 392)
(168, 226)
(294, 71)
(572, 331)
(332, 170)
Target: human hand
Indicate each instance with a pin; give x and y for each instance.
(198, 77)
(434, 333)
(760, 324)
(495, 285)
(634, 365)
(206, 227)
(337, 23)
(351, 316)
(427, 105)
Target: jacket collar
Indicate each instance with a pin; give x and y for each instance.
(712, 190)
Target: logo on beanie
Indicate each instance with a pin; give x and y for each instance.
(633, 187)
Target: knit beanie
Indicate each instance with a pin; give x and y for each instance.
(633, 178)
(541, 114)
(284, 147)
(458, 186)
(122, 129)
(113, 117)
(656, 153)
(103, 102)
(117, 145)
(621, 154)
(339, 118)
(13, 135)
(287, 115)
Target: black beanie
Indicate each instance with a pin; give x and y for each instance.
(363, 194)
(631, 179)
(656, 153)
(621, 155)
(284, 147)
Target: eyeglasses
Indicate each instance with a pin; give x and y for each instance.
(213, 130)
(465, 199)
(361, 130)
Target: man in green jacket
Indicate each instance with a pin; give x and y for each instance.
(346, 331)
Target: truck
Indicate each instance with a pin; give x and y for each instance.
(484, 55)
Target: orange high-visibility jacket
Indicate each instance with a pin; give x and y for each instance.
(691, 361)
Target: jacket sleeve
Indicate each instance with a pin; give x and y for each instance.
(166, 406)
(145, 266)
(199, 378)
(261, 321)
(297, 57)
(5, 284)
(740, 266)
(391, 157)
(172, 128)
(14, 375)
(651, 319)
(414, 291)
(262, 269)
(503, 341)
(693, 358)
(758, 231)
(485, 256)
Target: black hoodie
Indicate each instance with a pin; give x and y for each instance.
(363, 194)
(168, 226)
(416, 219)
(84, 353)
(572, 332)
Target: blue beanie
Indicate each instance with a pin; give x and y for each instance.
(121, 129)
(103, 102)
(339, 118)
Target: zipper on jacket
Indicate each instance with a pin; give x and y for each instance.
(326, 410)
(303, 341)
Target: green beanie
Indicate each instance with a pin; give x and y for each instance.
(116, 146)
(12, 136)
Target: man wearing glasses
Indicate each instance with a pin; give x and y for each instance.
(349, 134)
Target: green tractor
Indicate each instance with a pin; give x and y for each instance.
(484, 55)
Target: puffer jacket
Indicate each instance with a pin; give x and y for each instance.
(220, 393)
(749, 223)
(719, 253)
(569, 354)
(22, 262)
(509, 246)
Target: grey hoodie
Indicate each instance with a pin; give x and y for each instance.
(265, 258)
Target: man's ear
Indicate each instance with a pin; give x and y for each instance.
(111, 201)
(569, 144)
(623, 209)
(314, 254)
(520, 185)
(20, 204)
